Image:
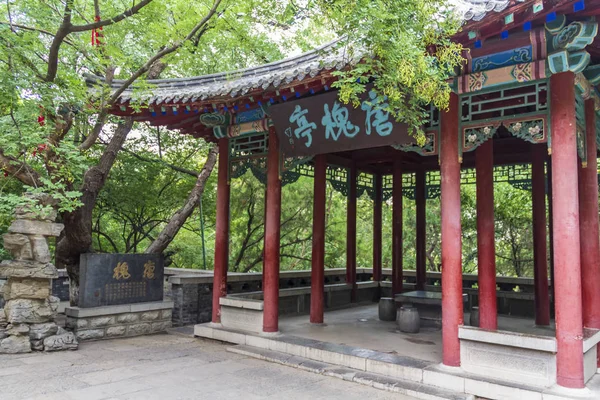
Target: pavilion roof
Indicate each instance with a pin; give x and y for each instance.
(476, 10)
(232, 84)
(221, 88)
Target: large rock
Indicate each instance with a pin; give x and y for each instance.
(66, 341)
(28, 269)
(39, 246)
(3, 321)
(27, 289)
(15, 344)
(32, 227)
(42, 331)
(17, 329)
(30, 212)
(31, 311)
(18, 246)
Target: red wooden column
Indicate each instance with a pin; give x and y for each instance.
(221, 231)
(272, 236)
(540, 253)
(397, 229)
(377, 227)
(452, 305)
(486, 250)
(317, 277)
(567, 266)
(588, 208)
(421, 229)
(351, 233)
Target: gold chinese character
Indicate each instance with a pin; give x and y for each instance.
(149, 270)
(121, 271)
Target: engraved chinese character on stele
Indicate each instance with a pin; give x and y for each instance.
(121, 271)
(304, 128)
(381, 122)
(149, 270)
(336, 122)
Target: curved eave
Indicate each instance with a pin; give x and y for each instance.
(228, 86)
(523, 12)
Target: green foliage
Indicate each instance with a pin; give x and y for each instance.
(411, 55)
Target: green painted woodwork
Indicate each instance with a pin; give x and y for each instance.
(566, 44)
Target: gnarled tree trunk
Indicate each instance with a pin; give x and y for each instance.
(166, 236)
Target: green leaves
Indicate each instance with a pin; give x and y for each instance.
(408, 53)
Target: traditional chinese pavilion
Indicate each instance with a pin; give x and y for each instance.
(523, 110)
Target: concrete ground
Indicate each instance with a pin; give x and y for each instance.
(165, 367)
(360, 327)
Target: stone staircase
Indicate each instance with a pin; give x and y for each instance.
(382, 382)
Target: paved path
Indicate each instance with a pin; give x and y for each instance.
(165, 367)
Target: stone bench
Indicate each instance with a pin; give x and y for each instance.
(518, 357)
(428, 304)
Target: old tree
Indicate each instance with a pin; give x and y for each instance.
(58, 137)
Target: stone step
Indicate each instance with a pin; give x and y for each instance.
(409, 388)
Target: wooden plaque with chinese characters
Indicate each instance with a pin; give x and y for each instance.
(322, 124)
(111, 279)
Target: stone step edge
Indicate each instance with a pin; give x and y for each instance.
(381, 382)
(398, 371)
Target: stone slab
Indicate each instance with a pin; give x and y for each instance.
(513, 364)
(111, 279)
(505, 338)
(117, 309)
(244, 319)
(32, 227)
(27, 269)
(241, 302)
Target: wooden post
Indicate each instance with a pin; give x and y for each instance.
(486, 251)
(351, 233)
(452, 302)
(377, 227)
(317, 286)
(567, 265)
(272, 237)
(540, 253)
(397, 229)
(588, 208)
(221, 231)
(420, 200)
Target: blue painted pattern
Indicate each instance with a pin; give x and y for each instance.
(519, 55)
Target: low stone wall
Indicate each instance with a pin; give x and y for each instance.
(119, 321)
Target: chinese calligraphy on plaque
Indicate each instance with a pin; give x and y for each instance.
(322, 124)
(108, 279)
(121, 271)
(149, 270)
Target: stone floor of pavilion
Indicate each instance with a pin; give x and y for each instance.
(354, 338)
(361, 327)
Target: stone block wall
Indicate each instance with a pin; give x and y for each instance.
(119, 321)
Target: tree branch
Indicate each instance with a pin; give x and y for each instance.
(178, 219)
(59, 37)
(20, 170)
(164, 52)
(166, 164)
(113, 20)
(153, 62)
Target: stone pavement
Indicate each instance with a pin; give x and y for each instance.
(165, 367)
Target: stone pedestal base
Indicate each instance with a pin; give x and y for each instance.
(119, 321)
